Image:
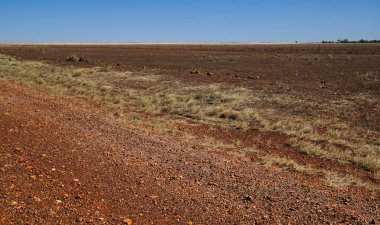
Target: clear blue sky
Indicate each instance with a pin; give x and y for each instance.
(188, 20)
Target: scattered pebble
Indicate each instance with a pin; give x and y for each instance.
(13, 203)
(153, 196)
(248, 198)
(100, 218)
(127, 221)
(78, 197)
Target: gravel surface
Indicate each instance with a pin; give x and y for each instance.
(66, 165)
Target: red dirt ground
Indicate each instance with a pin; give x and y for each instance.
(301, 67)
(296, 69)
(69, 165)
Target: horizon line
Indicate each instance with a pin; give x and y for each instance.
(162, 43)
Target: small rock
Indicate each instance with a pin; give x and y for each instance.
(6, 114)
(248, 198)
(346, 201)
(43, 155)
(13, 203)
(76, 180)
(58, 202)
(153, 196)
(209, 74)
(78, 197)
(127, 221)
(196, 71)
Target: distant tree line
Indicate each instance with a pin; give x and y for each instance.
(348, 41)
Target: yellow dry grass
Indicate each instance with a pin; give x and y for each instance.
(331, 178)
(217, 104)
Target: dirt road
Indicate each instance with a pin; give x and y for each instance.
(66, 165)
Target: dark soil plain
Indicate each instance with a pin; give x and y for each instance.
(190, 134)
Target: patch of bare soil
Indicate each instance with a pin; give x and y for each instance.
(311, 71)
(63, 164)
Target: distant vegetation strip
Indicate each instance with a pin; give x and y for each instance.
(348, 41)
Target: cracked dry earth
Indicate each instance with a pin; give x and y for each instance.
(66, 165)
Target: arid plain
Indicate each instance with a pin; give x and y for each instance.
(190, 134)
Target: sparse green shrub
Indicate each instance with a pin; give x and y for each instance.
(75, 58)
(72, 58)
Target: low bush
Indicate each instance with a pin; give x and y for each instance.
(75, 58)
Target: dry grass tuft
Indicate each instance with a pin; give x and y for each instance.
(331, 178)
(288, 164)
(368, 160)
(293, 142)
(217, 104)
